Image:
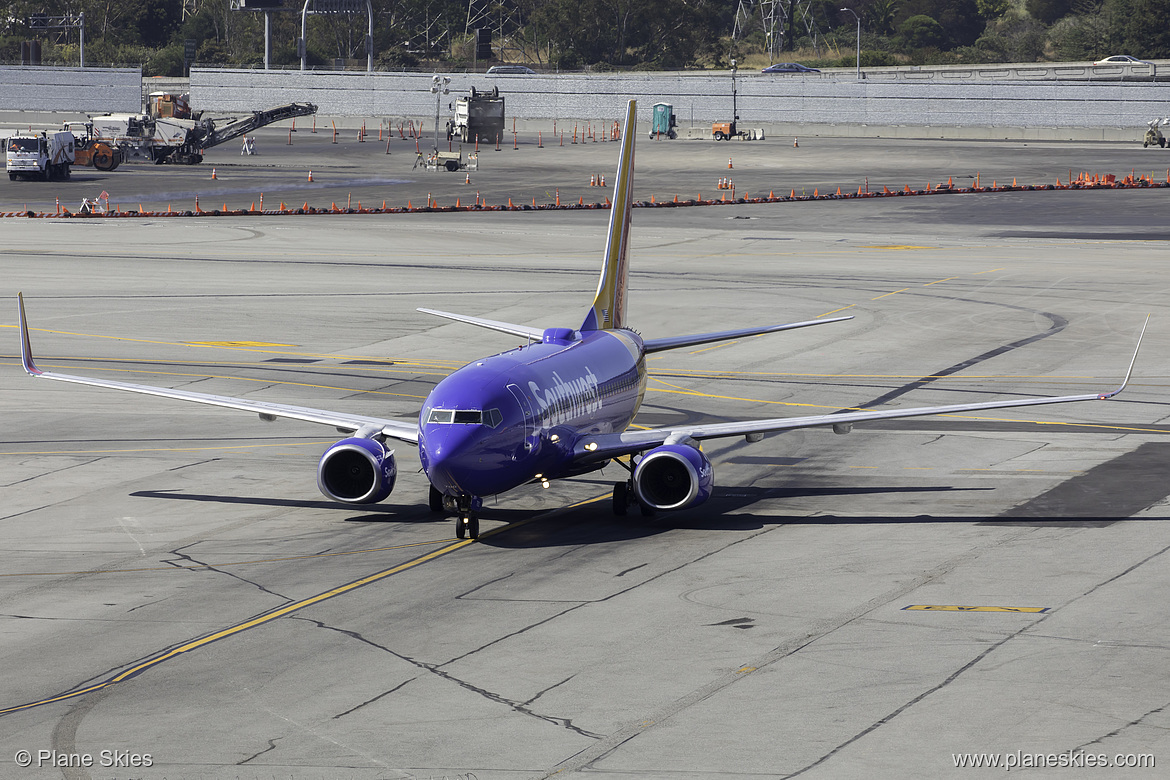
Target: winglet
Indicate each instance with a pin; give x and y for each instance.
(609, 306)
(25, 348)
(1132, 361)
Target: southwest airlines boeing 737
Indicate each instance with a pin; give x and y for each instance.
(560, 406)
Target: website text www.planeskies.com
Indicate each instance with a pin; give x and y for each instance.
(1069, 759)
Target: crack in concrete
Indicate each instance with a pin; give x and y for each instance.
(50, 473)
(435, 669)
(986, 652)
(208, 567)
(604, 599)
(383, 695)
(1099, 740)
(549, 688)
(271, 746)
(587, 758)
(632, 568)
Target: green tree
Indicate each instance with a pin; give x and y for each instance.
(992, 9)
(1048, 11)
(879, 16)
(1147, 29)
(919, 32)
(959, 19)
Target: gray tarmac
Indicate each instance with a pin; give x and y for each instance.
(179, 564)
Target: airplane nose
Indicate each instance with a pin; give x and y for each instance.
(451, 456)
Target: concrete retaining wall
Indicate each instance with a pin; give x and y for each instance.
(950, 102)
(96, 90)
(788, 101)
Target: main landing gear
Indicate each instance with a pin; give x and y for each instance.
(624, 496)
(466, 509)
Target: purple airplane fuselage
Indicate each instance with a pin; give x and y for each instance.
(506, 420)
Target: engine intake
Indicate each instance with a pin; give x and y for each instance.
(357, 471)
(673, 476)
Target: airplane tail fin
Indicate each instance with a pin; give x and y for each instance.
(609, 306)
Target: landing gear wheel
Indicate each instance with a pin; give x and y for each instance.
(435, 500)
(621, 498)
(467, 527)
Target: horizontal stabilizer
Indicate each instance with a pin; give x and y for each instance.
(675, 342)
(535, 334)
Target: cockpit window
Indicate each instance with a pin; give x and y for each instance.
(461, 416)
(493, 417)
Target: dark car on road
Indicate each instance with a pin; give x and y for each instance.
(789, 67)
(510, 70)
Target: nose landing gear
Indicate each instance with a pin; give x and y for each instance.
(467, 520)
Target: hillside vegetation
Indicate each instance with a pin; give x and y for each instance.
(596, 35)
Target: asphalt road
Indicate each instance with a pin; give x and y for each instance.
(866, 605)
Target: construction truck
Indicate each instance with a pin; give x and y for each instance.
(181, 140)
(39, 155)
(478, 117)
(1154, 135)
(90, 152)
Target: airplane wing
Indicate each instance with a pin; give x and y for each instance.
(591, 449)
(674, 342)
(533, 334)
(343, 422)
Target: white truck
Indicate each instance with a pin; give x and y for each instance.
(40, 155)
(479, 116)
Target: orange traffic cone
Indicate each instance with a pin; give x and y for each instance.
(213, 174)
(310, 175)
(729, 163)
(795, 143)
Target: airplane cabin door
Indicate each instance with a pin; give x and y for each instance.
(529, 418)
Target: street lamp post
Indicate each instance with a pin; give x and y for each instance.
(858, 18)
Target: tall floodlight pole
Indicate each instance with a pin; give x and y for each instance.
(858, 18)
(440, 87)
(734, 110)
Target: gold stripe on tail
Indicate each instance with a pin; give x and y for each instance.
(609, 306)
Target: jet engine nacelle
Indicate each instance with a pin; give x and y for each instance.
(673, 476)
(357, 471)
